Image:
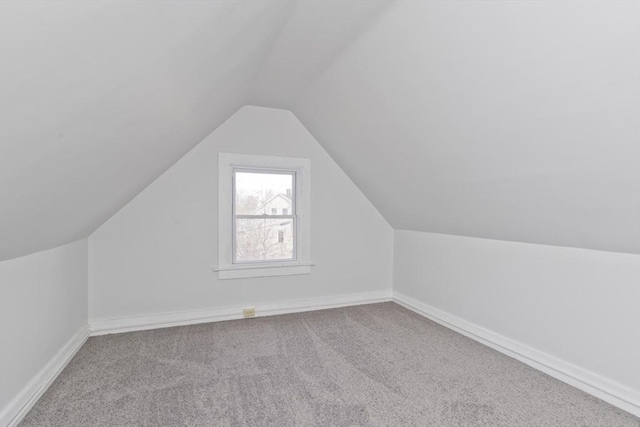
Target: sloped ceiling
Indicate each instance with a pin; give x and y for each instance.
(506, 120)
(497, 119)
(100, 98)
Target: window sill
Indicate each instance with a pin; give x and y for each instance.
(262, 270)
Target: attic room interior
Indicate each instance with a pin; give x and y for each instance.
(320, 213)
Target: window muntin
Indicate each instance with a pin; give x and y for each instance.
(259, 233)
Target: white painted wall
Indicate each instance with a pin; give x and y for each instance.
(580, 306)
(157, 254)
(43, 305)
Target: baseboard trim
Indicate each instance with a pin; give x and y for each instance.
(24, 401)
(589, 382)
(165, 320)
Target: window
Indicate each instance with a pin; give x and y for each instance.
(258, 236)
(263, 216)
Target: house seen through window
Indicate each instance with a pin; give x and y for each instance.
(263, 215)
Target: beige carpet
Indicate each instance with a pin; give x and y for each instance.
(374, 365)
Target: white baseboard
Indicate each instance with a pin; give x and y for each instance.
(164, 320)
(16, 410)
(589, 382)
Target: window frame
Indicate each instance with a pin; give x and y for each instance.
(228, 164)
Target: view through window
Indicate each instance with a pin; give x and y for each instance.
(264, 215)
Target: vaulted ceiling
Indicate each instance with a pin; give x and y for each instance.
(506, 120)
(100, 98)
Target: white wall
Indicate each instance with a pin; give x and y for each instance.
(157, 254)
(580, 306)
(43, 301)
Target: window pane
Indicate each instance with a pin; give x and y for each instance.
(264, 239)
(263, 193)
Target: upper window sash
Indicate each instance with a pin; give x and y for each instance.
(294, 183)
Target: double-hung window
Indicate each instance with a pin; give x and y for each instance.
(263, 216)
(264, 230)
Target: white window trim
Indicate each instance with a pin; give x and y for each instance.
(302, 264)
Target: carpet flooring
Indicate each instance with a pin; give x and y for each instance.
(371, 365)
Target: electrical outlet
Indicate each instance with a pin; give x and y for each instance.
(249, 312)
